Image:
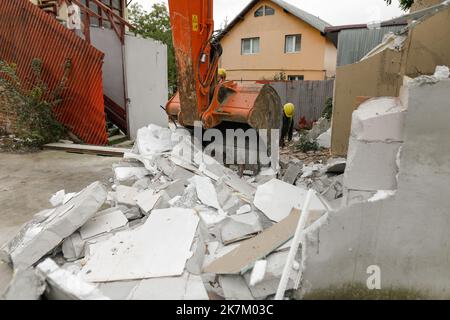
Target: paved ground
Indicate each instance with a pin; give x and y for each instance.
(27, 182)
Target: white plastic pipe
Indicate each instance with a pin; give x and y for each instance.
(294, 247)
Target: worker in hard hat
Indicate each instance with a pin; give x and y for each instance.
(288, 123)
(222, 75)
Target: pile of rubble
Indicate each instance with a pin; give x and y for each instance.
(176, 224)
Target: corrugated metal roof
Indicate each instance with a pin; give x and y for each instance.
(354, 44)
(26, 33)
(312, 20)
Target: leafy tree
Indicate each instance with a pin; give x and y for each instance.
(156, 25)
(404, 4)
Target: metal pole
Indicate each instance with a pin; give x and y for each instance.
(294, 247)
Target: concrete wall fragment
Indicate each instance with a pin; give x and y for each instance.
(405, 235)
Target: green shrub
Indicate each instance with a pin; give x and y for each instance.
(328, 111)
(306, 145)
(34, 104)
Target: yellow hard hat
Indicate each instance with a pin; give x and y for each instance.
(289, 110)
(222, 73)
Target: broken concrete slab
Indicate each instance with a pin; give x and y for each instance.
(185, 287)
(63, 285)
(206, 191)
(48, 229)
(324, 140)
(272, 275)
(126, 195)
(242, 258)
(371, 165)
(292, 173)
(25, 285)
(161, 245)
(379, 119)
(117, 290)
(405, 235)
(235, 288)
(239, 227)
(244, 209)
(130, 172)
(277, 198)
(103, 222)
(153, 140)
(73, 247)
(147, 200)
(321, 126)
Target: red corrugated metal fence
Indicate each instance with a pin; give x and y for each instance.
(26, 32)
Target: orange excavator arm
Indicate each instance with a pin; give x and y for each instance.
(200, 96)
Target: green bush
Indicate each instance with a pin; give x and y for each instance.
(328, 111)
(306, 145)
(34, 104)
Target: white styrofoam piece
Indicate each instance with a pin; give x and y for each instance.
(276, 199)
(58, 198)
(102, 224)
(159, 248)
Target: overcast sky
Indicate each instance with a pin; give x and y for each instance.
(336, 12)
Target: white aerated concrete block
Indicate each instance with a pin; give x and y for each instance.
(371, 166)
(379, 119)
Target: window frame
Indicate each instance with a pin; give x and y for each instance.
(252, 39)
(264, 11)
(300, 77)
(293, 36)
(104, 21)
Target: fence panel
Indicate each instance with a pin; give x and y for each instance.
(309, 97)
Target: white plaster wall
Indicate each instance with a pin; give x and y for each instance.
(107, 41)
(406, 235)
(147, 82)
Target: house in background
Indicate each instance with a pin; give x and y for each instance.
(272, 37)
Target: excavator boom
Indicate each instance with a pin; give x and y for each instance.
(201, 96)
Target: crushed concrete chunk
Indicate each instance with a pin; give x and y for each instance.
(63, 285)
(73, 247)
(48, 229)
(324, 140)
(126, 195)
(185, 287)
(25, 285)
(244, 209)
(292, 172)
(235, 288)
(103, 223)
(277, 198)
(206, 192)
(239, 227)
(147, 200)
(162, 247)
(243, 257)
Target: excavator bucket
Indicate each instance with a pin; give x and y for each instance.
(254, 104)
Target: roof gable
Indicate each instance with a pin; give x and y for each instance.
(310, 19)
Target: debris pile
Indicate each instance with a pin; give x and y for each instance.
(175, 224)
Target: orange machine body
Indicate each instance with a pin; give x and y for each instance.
(201, 96)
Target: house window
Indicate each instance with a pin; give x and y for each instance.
(264, 11)
(293, 43)
(296, 78)
(250, 46)
(259, 12)
(269, 11)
